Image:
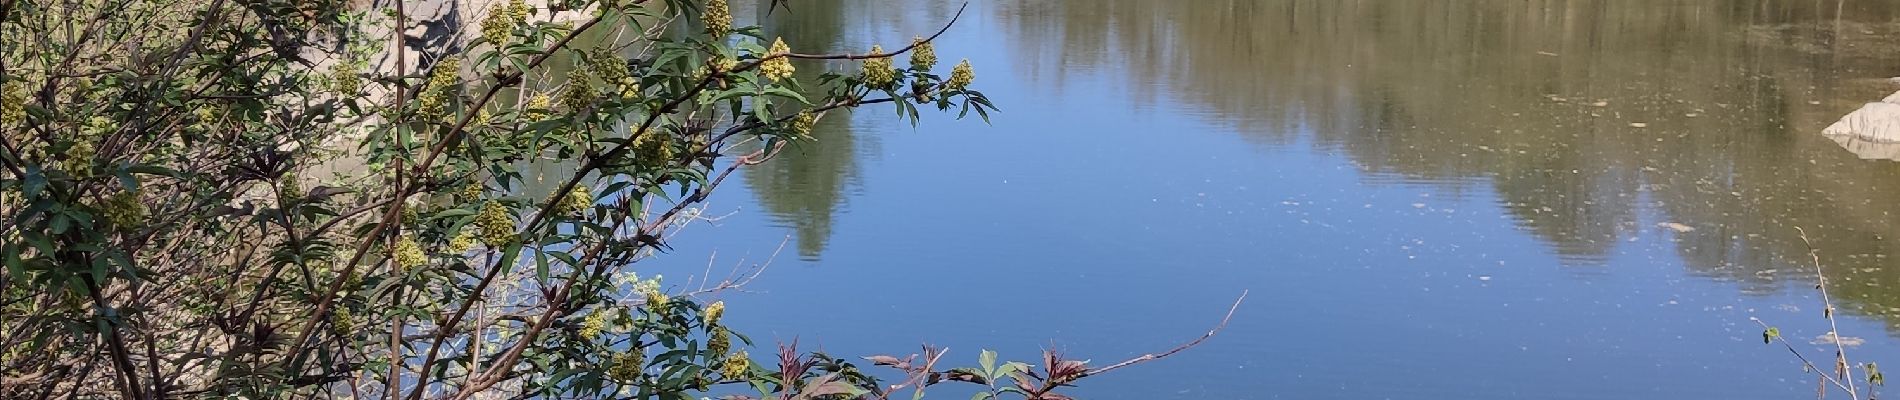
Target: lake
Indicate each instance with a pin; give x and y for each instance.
(1424, 199)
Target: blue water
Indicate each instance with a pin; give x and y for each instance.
(1119, 204)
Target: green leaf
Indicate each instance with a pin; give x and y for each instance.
(10, 255)
(60, 223)
(452, 213)
(34, 183)
(988, 360)
(541, 265)
(508, 257)
(1010, 368)
(788, 93)
(126, 180)
(99, 269)
(152, 170)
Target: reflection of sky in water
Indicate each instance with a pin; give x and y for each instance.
(1426, 199)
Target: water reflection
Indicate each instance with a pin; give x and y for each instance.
(1592, 120)
(805, 186)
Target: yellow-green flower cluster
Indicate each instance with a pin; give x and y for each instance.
(204, 117)
(644, 286)
(652, 148)
(960, 76)
(434, 103)
(78, 161)
(12, 103)
(723, 64)
(719, 342)
(627, 87)
(718, 18)
(877, 71)
(344, 79)
(611, 69)
(340, 320)
(713, 312)
(519, 10)
(407, 254)
(410, 215)
(656, 300)
(736, 365)
(539, 108)
(802, 123)
(603, 63)
(474, 190)
(580, 92)
(627, 364)
(581, 198)
(594, 324)
(99, 125)
(461, 242)
(289, 187)
(778, 68)
(123, 209)
(650, 288)
(502, 20)
(923, 56)
(498, 228)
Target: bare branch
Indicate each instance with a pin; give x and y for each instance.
(905, 49)
(1177, 349)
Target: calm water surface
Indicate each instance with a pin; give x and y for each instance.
(1426, 199)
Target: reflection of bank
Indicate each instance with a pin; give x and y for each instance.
(1533, 101)
(1868, 149)
(1871, 132)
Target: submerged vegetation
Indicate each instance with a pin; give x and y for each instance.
(277, 199)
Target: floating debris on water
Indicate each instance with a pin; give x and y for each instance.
(1678, 227)
(1831, 338)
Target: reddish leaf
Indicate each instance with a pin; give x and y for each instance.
(883, 360)
(1067, 371)
(1024, 382)
(971, 375)
(825, 386)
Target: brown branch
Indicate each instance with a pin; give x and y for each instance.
(581, 173)
(401, 192)
(1177, 349)
(932, 38)
(394, 385)
(594, 163)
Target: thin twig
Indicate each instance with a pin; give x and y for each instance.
(1177, 349)
(1842, 367)
(1804, 359)
(914, 44)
